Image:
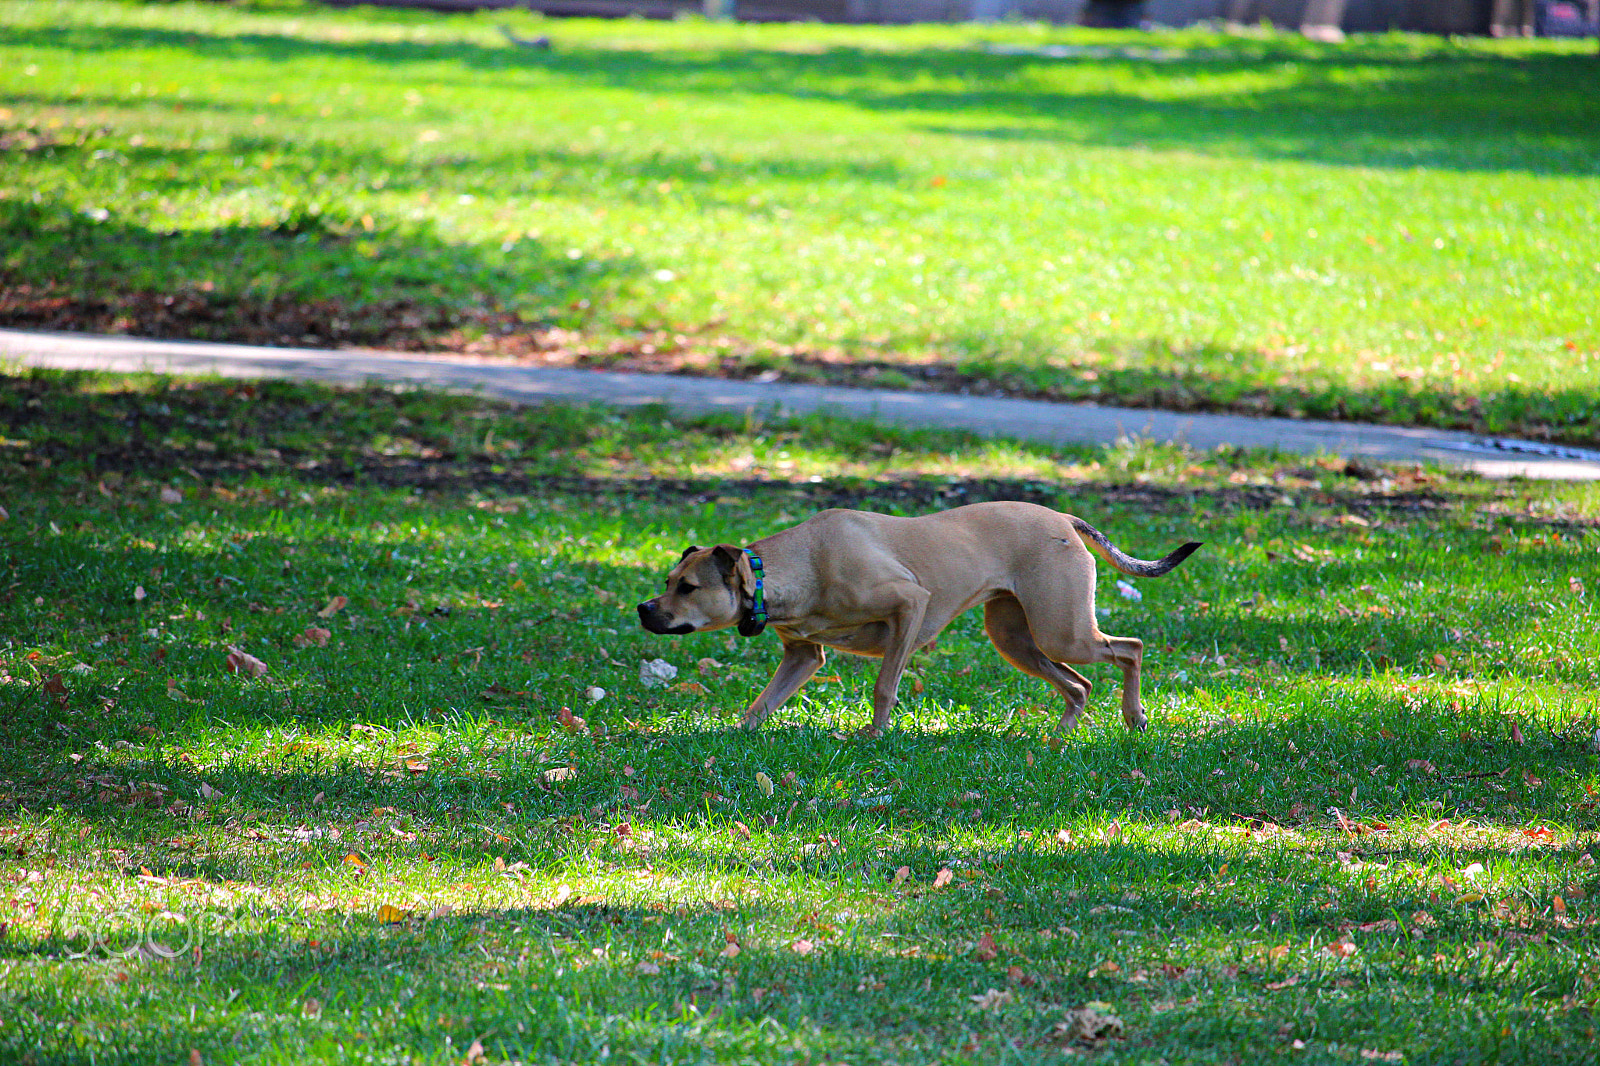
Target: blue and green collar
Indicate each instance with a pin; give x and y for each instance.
(755, 619)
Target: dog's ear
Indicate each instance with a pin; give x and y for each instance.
(690, 550)
(734, 565)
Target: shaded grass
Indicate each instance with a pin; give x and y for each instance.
(390, 847)
(1397, 229)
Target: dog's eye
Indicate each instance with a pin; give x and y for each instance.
(685, 589)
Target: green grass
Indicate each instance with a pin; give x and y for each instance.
(1361, 826)
(1399, 229)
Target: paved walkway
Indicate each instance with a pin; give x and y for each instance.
(1051, 423)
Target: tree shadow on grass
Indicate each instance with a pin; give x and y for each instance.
(315, 277)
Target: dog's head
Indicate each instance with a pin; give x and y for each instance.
(710, 588)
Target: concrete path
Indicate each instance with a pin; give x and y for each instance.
(1051, 423)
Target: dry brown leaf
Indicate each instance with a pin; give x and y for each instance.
(993, 999)
(942, 878)
(1090, 1024)
(901, 875)
(986, 950)
(334, 606)
(313, 636)
(802, 947)
(242, 662)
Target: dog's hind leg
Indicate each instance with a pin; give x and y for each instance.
(1007, 626)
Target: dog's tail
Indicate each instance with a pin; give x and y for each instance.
(1096, 541)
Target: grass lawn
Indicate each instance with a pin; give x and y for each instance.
(1360, 828)
(1398, 228)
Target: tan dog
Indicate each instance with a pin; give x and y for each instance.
(880, 585)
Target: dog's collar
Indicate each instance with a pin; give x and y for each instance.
(755, 619)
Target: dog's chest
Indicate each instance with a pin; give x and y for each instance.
(868, 638)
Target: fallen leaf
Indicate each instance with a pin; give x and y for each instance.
(1287, 982)
(571, 722)
(942, 878)
(901, 875)
(313, 636)
(558, 774)
(1516, 733)
(207, 792)
(986, 950)
(352, 859)
(764, 783)
(1276, 953)
(993, 999)
(242, 662)
(389, 914)
(1341, 949)
(334, 606)
(475, 1054)
(741, 830)
(802, 947)
(1090, 1024)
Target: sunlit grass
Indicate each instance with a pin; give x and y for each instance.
(1398, 229)
(1362, 818)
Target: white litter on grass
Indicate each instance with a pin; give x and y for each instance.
(656, 673)
(594, 693)
(1129, 592)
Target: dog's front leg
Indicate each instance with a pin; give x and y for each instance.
(905, 624)
(801, 659)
